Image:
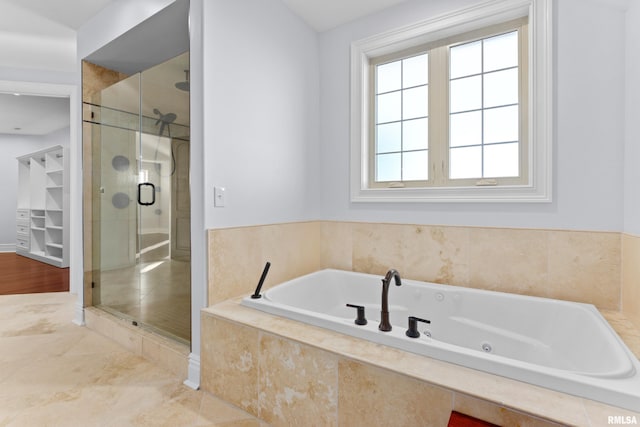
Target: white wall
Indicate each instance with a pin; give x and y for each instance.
(261, 113)
(588, 148)
(632, 126)
(31, 51)
(13, 146)
(37, 76)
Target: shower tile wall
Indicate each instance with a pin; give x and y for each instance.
(96, 78)
(575, 265)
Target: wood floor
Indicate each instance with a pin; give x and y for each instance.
(22, 275)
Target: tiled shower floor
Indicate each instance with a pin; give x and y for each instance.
(156, 291)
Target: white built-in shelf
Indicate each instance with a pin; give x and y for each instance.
(43, 204)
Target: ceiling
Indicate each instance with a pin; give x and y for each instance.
(323, 15)
(52, 17)
(163, 36)
(56, 19)
(32, 115)
(60, 19)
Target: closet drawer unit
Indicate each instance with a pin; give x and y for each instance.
(22, 244)
(22, 228)
(23, 214)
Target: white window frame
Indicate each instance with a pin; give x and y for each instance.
(540, 102)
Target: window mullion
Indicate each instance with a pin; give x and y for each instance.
(523, 70)
(438, 116)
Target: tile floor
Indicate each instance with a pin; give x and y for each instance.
(156, 291)
(54, 373)
(159, 297)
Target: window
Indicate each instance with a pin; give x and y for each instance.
(442, 110)
(400, 137)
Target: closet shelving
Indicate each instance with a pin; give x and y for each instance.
(42, 215)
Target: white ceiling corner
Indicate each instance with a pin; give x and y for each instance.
(323, 15)
(68, 13)
(39, 34)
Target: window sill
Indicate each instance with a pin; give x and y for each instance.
(506, 194)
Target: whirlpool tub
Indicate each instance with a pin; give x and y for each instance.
(561, 345)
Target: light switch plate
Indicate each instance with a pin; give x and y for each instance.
(219, 197)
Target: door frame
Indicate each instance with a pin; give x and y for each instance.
(75, 175)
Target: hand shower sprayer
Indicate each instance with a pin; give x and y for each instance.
(256, 294)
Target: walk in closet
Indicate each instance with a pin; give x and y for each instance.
(42, 226)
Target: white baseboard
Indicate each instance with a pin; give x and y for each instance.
(193, 378)
(7, 247)
(79, 312)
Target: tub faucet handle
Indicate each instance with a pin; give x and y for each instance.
(361, 319)
(412, 332)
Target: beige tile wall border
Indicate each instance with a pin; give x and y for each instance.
(582, 266)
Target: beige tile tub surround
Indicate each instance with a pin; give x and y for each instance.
(241, 346)
(370, 396)
(572, 265)
(296, 383)
(229, 361)
(237, 256)
(281, 381)
(631, 278)
(365, 381)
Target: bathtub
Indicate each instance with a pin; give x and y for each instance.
(565, 346)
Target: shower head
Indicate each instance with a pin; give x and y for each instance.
(164, 120)
(184, 86)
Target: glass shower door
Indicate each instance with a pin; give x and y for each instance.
(164, 273)
(116, 150)
(141, 227)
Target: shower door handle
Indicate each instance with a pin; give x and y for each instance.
(153, 193)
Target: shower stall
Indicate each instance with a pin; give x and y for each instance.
(140, 228)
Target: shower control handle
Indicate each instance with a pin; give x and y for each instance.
(153, 193)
